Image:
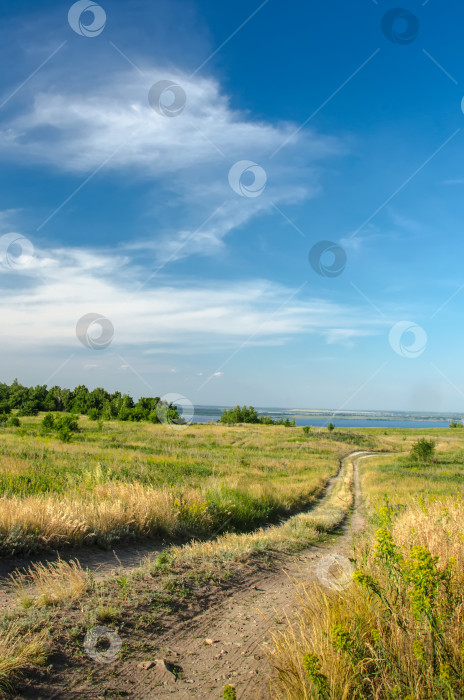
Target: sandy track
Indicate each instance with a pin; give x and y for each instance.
(238, 626)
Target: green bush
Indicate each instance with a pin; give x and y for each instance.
(67, 422)
(330, 427)
(48, 422)
(306, 429)
(423, 451)
(14, 422)
(29, 408)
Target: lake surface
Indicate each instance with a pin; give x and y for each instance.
(346, 422)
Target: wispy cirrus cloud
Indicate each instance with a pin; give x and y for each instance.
(184, 161)
(62, 285)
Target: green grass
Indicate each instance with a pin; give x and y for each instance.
(205, 480)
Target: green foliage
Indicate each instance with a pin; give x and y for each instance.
(48, 422)
(64, 434)
(330, 427)
(29, 401)
(239, 414)
(306, 429)
(66, 422)
(341, 638)
(65, 426)
(229, 692)
(415, 587)
(423, 451)
(14, 422)
(29, 408)
(312, 666)
(455, 424)
(248, 414)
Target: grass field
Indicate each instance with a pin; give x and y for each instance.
(142, 480)
(123, 481)
(240, 494)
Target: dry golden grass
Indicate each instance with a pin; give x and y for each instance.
(50, 584)
(18, 651)
(437, 524)
(319, 611)
(114, 508)
(297, 531)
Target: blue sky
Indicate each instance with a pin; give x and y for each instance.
(354, 136)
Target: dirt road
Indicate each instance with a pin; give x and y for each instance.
(224, 644)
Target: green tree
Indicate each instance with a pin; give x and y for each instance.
(29, 408)
(423, 451)
(330, 427)
(93, 413)
(48, 422)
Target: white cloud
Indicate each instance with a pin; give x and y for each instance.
(173, 316)
(115, 121)
(111, 128)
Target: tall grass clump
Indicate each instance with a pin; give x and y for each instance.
(19, 651)
(50, 584)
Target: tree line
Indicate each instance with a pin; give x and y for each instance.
(97, 404)
(248, 414)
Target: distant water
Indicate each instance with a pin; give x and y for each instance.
(348, 422)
